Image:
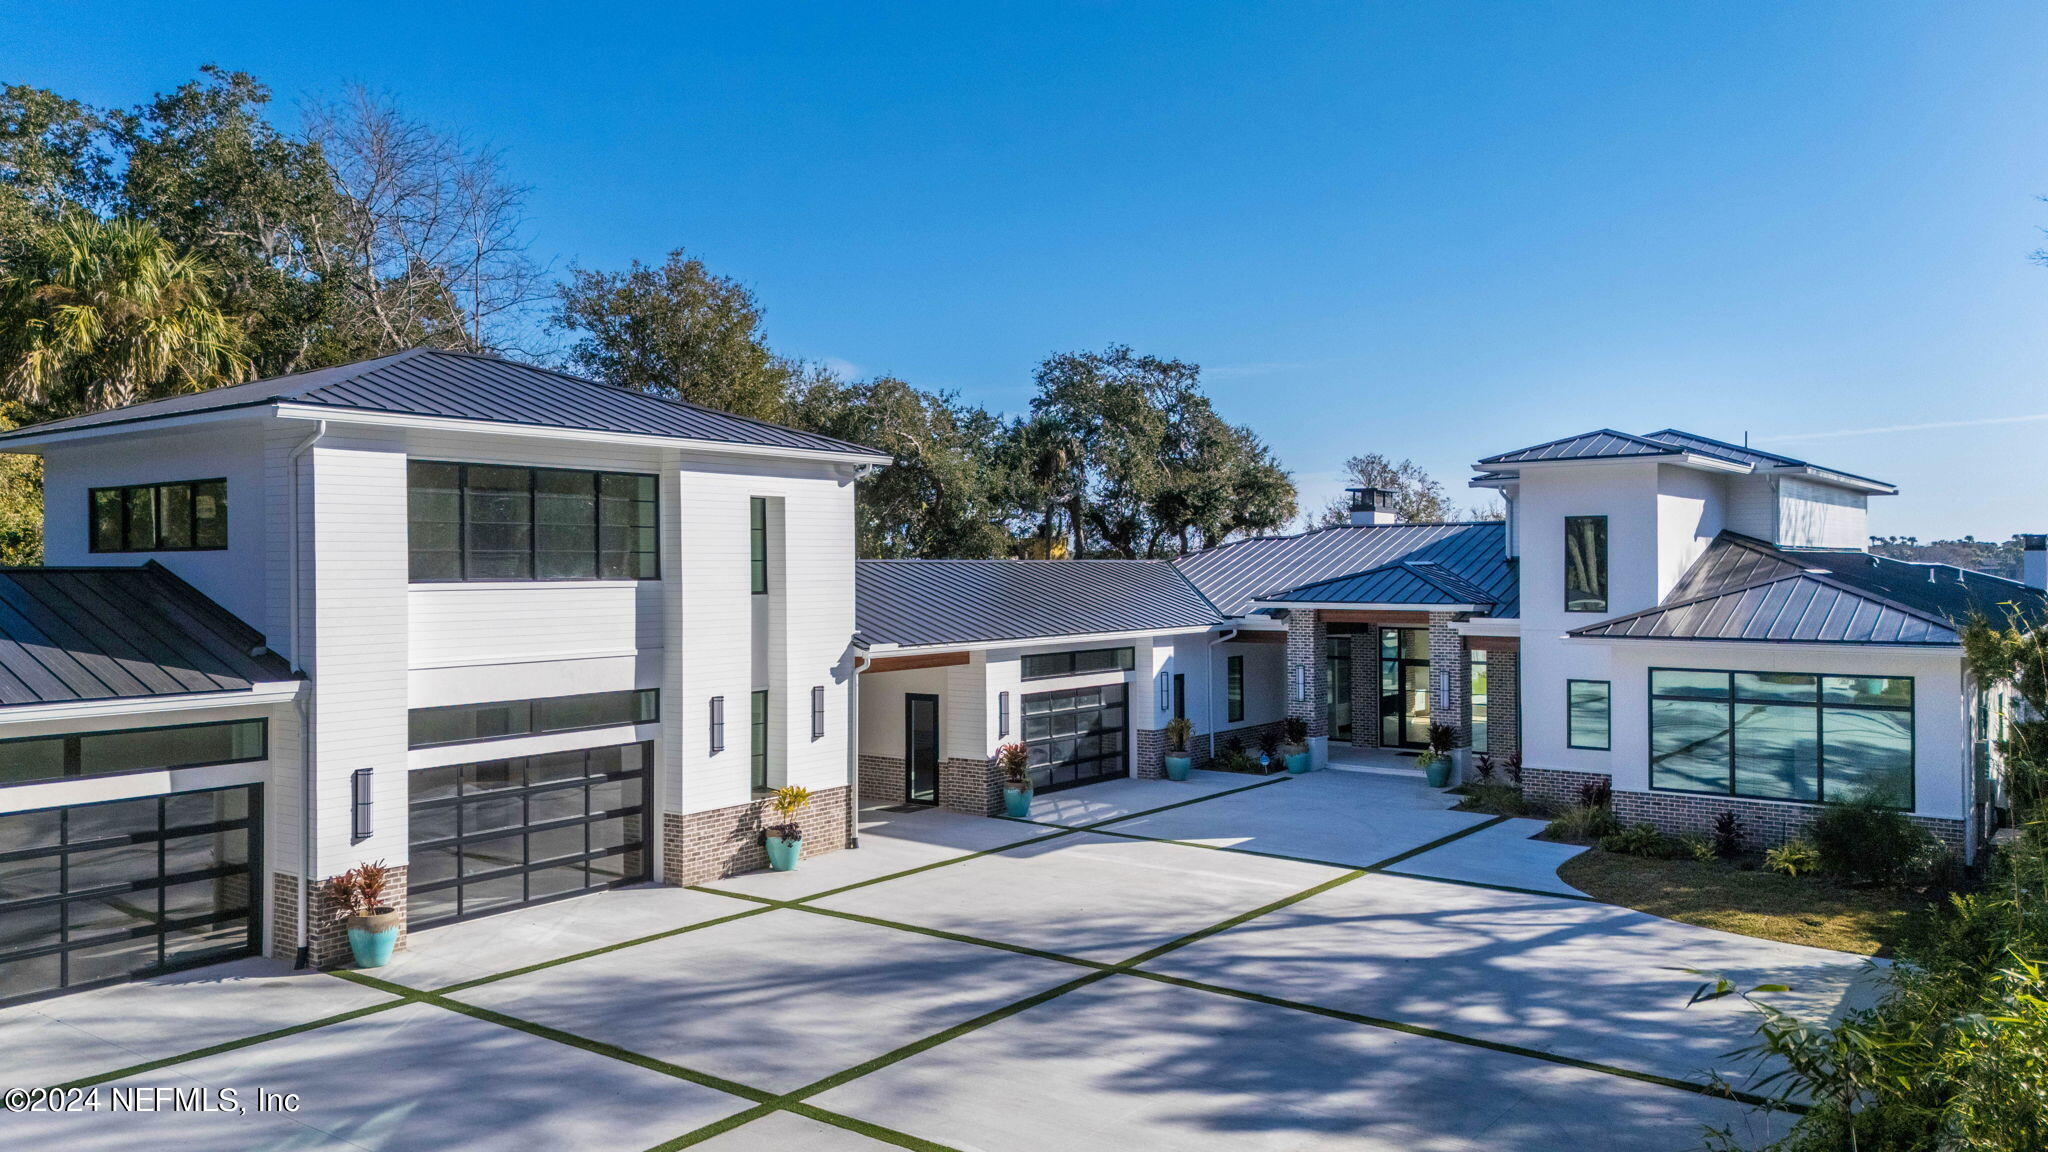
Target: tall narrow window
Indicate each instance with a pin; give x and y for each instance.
(1589, 713)
(1233, 691)
(818, 712)
(717, 724)
(1180, 696)
(1002, 714)
(760, 747)
(757, 536)
(1585, 563)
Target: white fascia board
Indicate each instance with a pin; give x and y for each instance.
(1347, 606)
(1730, 647)
(876, 651)
(276, 693)
(1487, 626)
(1838, 479)
(149, 425)
(1677, 459)
(578, 435)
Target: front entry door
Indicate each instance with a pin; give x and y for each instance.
(1404, 687)
(1337, 687)
(921, 748)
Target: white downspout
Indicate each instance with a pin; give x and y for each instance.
(305, 708)
(1209, 683)
(853, 746)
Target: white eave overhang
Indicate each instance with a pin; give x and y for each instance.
(1678, 459)
(279, 692)
(1838, 479)
(1488, 626)
(878, 650)
(1349, 606)
(575, 435)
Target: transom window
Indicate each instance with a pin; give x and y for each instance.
(1782, 735)
(1050, 664)
(498, 720)
(181, 516)
(132, 750)
(493, 522)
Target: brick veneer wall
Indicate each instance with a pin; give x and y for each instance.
(1447, 651)
(703, 846)
(971, 786)
(1365, 688)
(326, 928)
(1250, 734)
(1764, 822)
(1151, 753)
(1555, 786)
(1503, 704)
(1305, 635)
(284, 916)
(881, 780)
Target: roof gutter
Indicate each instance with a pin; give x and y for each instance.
(296, 546)
(324, 413)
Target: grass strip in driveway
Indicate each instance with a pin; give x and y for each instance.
(602, 949)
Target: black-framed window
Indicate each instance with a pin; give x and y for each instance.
(98, 893)
(717, 725)
(501, 719)
(1585, 563)
(817, 712)
(1180, 696)
(1589, 714)
(1782, 735)
(179, 516)
(32, 758)
(498, 834)
(498, 522)
(1233, 687)
(759, 751)
(757, 543)
(1051, 664)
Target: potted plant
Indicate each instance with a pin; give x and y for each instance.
(1296, 746)
(1178, 762)
(785, 838)
(1015, 762)
(1436, 763)
(373, 924)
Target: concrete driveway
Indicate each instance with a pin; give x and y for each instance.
(1335, 961)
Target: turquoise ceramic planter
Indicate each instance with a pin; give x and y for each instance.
(1297, 762)
(782, 854)
(372, 949)
(1017, 803)
(1439, 773)
(1178, 766)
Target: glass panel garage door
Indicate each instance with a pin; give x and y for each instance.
(1075, 737)
(99, 893)
(505, 833)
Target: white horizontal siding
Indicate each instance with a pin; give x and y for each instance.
(523, 621)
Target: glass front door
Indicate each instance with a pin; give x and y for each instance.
(921, 748)
(1404, 687)
(1337, 686)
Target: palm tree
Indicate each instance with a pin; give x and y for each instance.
(95, 314)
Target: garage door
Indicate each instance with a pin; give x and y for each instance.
(99, 893)
(1076, 737)
(506, 833)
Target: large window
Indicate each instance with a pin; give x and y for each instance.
(185, 516)
(502, 833)
(464, 723)
(1782, 735)
(1076, 663)
(96, 893)
(1585, 563)
(757, 544)
(1475, 686)
(491, 522)
(1589, 714)
(1233, 688)
(759, 766)
(132, 750)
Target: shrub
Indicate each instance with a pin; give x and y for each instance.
(786, 802)
(1641, 840)
(1599, 794)
(1700, 848)
(1498, 799)
(1296, 729)
(1269, 742)
(1866, 841)
(1727, 835)
(1514, 768)
(1793, 858)
(1178, 731)
(1015, 762)
(1483, 764)
(1442, 738)
(1583, 822)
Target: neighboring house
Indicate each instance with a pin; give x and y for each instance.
(1692, 622)
(518, 634)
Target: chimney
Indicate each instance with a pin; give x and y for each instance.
(1372, 506)
(2034, 561)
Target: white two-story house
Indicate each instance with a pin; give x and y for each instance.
(515, 633)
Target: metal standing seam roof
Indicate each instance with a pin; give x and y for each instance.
(469, 386)
(1236, 575)
(1747, 589)
(1403, 582)
(1608, 444)
(913, 603)
(76, 634)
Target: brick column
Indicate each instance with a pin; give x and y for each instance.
(1365, 688)
(1305, 651)
(1150, 748)
(1447, 652)
(971, 786)
(1503, 704)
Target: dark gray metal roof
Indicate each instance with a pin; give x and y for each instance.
(1743, 452)
(1608, 444)
(920, 602)
(1746, 589)
(1236, 575)
(466, 386)
(1403, 582)
(72, 634)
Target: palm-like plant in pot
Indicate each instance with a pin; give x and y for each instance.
(785, 838)
(1437, 761)
(1295, 745)
(358, 896)
(1014, 761)
(1178, 732)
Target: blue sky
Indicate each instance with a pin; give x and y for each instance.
(1438, 231)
